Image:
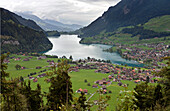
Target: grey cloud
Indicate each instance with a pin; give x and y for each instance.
(68, 11)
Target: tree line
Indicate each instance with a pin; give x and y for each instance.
(144, 33)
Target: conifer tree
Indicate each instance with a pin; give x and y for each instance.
(60, 91)
(82, 101)
(33, 96)
(11, 98)
(165, 73)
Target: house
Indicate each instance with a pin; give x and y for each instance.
(95, 86)
(137, 81)
(85, 91)
(35, 80)
(17, 59)
(104, 91)
(41, 75)
(23, 67)
(104, 87)
(30, 77)
(110, 77)
(38, 67)
(30, 57)
(79, 90)
(26, 59)
(6, 61)
(100, 83)
(48, 60)
(41, 57)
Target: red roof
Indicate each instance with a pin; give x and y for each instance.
(80, 89)
(85, 90)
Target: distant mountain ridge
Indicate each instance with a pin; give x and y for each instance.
(21, 35)
(50, 25)
(18, 19)
(127, 13)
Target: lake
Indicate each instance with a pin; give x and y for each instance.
(67, 45)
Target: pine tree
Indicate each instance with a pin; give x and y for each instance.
(11, 98)
(158, 97)
(33, 96)
(165, 73)
(82, 100)
(144, 95)
(60, 91)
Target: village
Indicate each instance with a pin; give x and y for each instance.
(93, 75)
(115, 73)
(149, 54)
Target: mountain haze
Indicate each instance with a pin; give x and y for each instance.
(127, 13)
(50, 25)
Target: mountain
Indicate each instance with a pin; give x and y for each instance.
(50, 25)
(18, 19)
(21, 35)
(127, 13)
(72, 27)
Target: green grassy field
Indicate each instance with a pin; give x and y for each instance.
(77, 79)
(159, 24)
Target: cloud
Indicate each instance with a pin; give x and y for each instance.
(68, 11)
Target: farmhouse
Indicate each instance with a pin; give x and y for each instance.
(38, 67)
(95, 86)
(41, 57)
(85, 91)
(79, 90)
(35, 80)
(26, 59)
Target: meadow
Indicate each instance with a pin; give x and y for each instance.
(77, 78)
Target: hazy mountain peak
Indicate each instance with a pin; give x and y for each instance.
(50, 25)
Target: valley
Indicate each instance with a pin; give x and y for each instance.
(28, 71)
(115, 61)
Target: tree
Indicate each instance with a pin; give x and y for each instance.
(85, 80)
(165, 74)
(88, 58)
(11, 98)
(21, 79)
(33, 96)
(18, 67)
(158, 97)
(149, 97)
(82, 101)
(71, 57)
(147, 79)
(125, 101)
(60, 91)
(102, 102)
(144, 96)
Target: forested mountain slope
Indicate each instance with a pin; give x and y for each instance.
(21, 35)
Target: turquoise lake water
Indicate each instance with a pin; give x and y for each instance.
(67, 45)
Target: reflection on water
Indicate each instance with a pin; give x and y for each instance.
(67, 45)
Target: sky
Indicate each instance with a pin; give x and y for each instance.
(81, 12)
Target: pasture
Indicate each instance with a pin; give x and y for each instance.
(77, 78)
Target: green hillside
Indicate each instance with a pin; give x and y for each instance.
(127, 13)
(159, 24)
(21, 35)
(154, 31)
